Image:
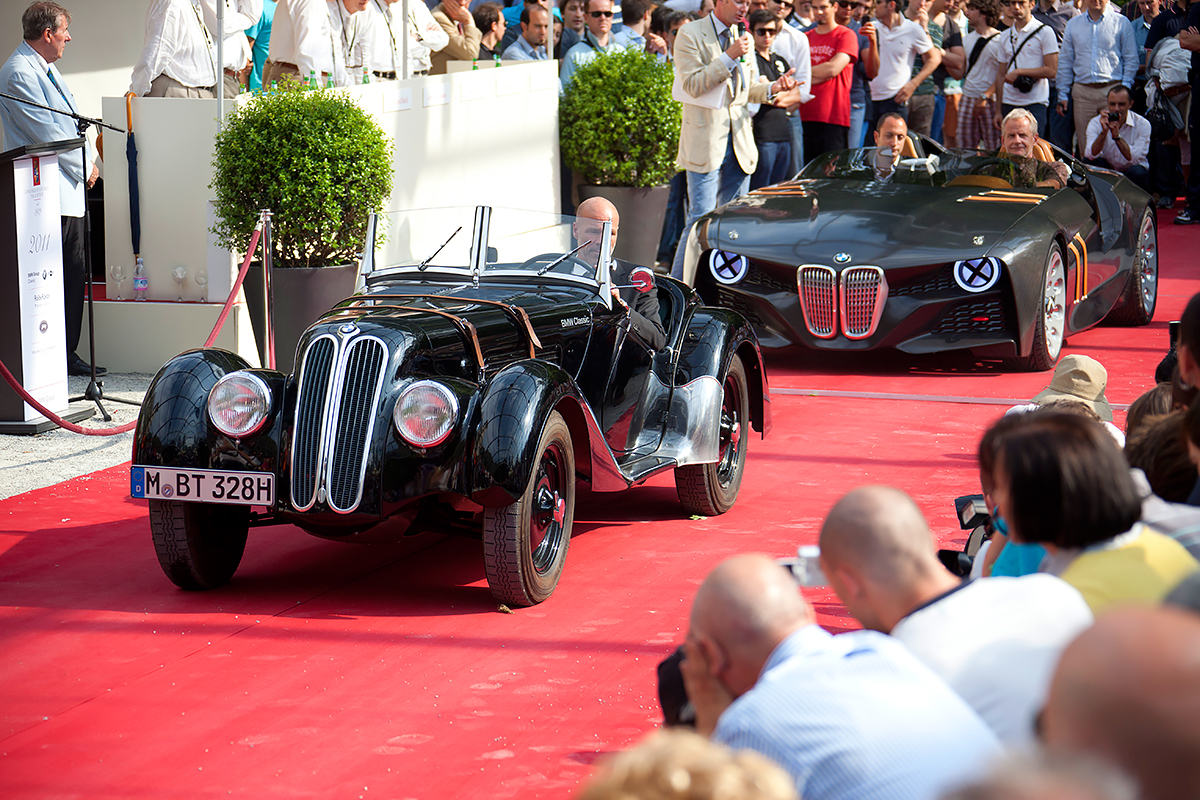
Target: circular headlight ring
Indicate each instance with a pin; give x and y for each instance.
(409, 404)
(251, 390)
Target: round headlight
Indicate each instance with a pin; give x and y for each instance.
(239, 404)
(425, 413)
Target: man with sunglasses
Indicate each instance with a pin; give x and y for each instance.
(716, 139)
(792, 44)
(597, 39)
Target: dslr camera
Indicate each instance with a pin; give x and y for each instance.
(1024, 83)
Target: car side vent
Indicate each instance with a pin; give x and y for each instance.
(359, 385)
(864, 292)
(316, 372)
(817, 286)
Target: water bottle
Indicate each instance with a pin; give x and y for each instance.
(329, 83)
(475, 64)
(497, 57)
(366, 76)
(141, 284)
(312, 80)
(807, 567)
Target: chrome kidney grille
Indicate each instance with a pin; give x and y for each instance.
(856, 298)
(336, 408)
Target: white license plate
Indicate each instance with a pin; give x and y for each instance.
(203, 486)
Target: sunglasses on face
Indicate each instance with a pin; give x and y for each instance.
(599, 14)
(847, 3)
(764, 31)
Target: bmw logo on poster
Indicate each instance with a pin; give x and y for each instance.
(40, 286)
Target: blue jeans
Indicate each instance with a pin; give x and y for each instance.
(796, 161)
(706, 191)
(673, 221)
(858, 112)
(1060, 129)
(939, 116)
(774, 159)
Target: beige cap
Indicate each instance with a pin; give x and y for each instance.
(1082, 379)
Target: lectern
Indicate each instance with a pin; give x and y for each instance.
(32, 338)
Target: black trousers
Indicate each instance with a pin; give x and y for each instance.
(74, 277)
(1193, 184)
(824, 137)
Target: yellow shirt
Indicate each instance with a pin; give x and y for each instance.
(1142, 570)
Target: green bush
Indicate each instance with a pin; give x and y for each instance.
(316, 160)
(618, 124)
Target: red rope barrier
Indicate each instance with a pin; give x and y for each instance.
(212, 337)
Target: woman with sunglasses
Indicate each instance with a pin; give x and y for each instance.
(772, 133)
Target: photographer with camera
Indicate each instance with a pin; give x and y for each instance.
(1028, 57)
(1099, 51)
(1119, 138)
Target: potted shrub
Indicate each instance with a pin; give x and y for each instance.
(322, 165)
(619, 131)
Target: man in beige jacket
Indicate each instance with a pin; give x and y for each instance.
(716, 140)
(457, 22)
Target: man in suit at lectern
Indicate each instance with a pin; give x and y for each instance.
(30, 73)
(716, 141)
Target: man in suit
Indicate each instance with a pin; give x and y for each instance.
(716, 145)
(30, 73)
(641, 306)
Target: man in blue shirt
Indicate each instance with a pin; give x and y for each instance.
(850, 717)
(531, 44)
(1098, 52)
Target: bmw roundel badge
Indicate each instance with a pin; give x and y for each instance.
(841, 258)
(727, 268)
(977, 274)
(347, 328)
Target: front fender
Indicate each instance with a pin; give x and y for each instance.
(173, 429)
(512, 413)
(712, 338)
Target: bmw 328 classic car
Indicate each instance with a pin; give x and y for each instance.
(463, 388)
(941, 253)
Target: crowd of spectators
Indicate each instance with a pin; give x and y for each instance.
(1066, 666)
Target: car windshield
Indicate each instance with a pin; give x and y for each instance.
(879, 164)
(503, 243)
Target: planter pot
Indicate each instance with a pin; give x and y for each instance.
(642, 211)
(301, 296)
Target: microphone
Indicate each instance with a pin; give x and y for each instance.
(733, 31)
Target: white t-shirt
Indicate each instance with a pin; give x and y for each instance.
(996, 641)
(898, 51)
(1031, 56)
(982, 76)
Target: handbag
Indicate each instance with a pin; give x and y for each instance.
(1164, 118)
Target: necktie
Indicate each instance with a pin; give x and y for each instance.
(737, 68)
(50, 74)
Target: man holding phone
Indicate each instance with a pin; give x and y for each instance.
(1119, 138)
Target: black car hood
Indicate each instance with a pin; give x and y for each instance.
(874, 223)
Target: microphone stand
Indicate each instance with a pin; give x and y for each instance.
(95, 391)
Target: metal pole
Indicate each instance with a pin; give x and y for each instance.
(268, 299)
(404, 42)
(220, 63)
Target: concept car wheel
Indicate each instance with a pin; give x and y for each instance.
(1137, 301)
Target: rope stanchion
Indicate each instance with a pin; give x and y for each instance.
(212, 337)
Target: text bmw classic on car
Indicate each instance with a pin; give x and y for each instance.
(464, 389)
(938, 253)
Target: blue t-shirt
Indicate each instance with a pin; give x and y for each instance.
(1016, 560)
(260, 32)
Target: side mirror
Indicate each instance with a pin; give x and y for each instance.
(642, 279)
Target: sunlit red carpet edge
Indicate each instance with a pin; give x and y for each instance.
(327, 670)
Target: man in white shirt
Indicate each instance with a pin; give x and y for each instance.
(995, 640)
(425, 37)
(179, 56)
(900, 42)
(976, 114)
(324, 39)
(1028, 58)
(239, 59)
(793, 45)
(1119, 139)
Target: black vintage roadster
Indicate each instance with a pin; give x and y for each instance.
(941, 252)
(464, 387)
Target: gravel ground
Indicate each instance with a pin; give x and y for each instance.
(31, 462)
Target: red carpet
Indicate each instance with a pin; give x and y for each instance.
(327, 670)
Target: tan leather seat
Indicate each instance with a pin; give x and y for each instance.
(1041, 151)
(907, 150)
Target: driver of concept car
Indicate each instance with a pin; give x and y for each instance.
(1018, 133)
(642, 307)
(890, 132)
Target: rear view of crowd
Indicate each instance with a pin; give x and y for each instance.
(1068, 666)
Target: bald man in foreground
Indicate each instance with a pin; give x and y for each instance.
(853, 716)
(995, 641)
(1128, 691)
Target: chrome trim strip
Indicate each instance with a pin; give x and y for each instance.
(812, 304)
(320, 422)
(332, 427)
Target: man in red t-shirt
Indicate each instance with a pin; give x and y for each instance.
(834, 50)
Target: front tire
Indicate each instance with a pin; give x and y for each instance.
(1136, 305)
(525, 543)
(711, 489)
(199, 545)
(1050, 330)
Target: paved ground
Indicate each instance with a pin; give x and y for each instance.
(31, 462)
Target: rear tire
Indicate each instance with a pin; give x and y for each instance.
(1050, 330)
(525, 543)
(1136, 305)
(712, 489)
(199, 545)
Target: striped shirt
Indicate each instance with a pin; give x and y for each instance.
(858, 717)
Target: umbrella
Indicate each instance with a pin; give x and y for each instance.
(135, 210)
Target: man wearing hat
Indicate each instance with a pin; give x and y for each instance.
(1077, 379)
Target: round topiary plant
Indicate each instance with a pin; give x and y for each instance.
(316, 159)
(618, 124)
